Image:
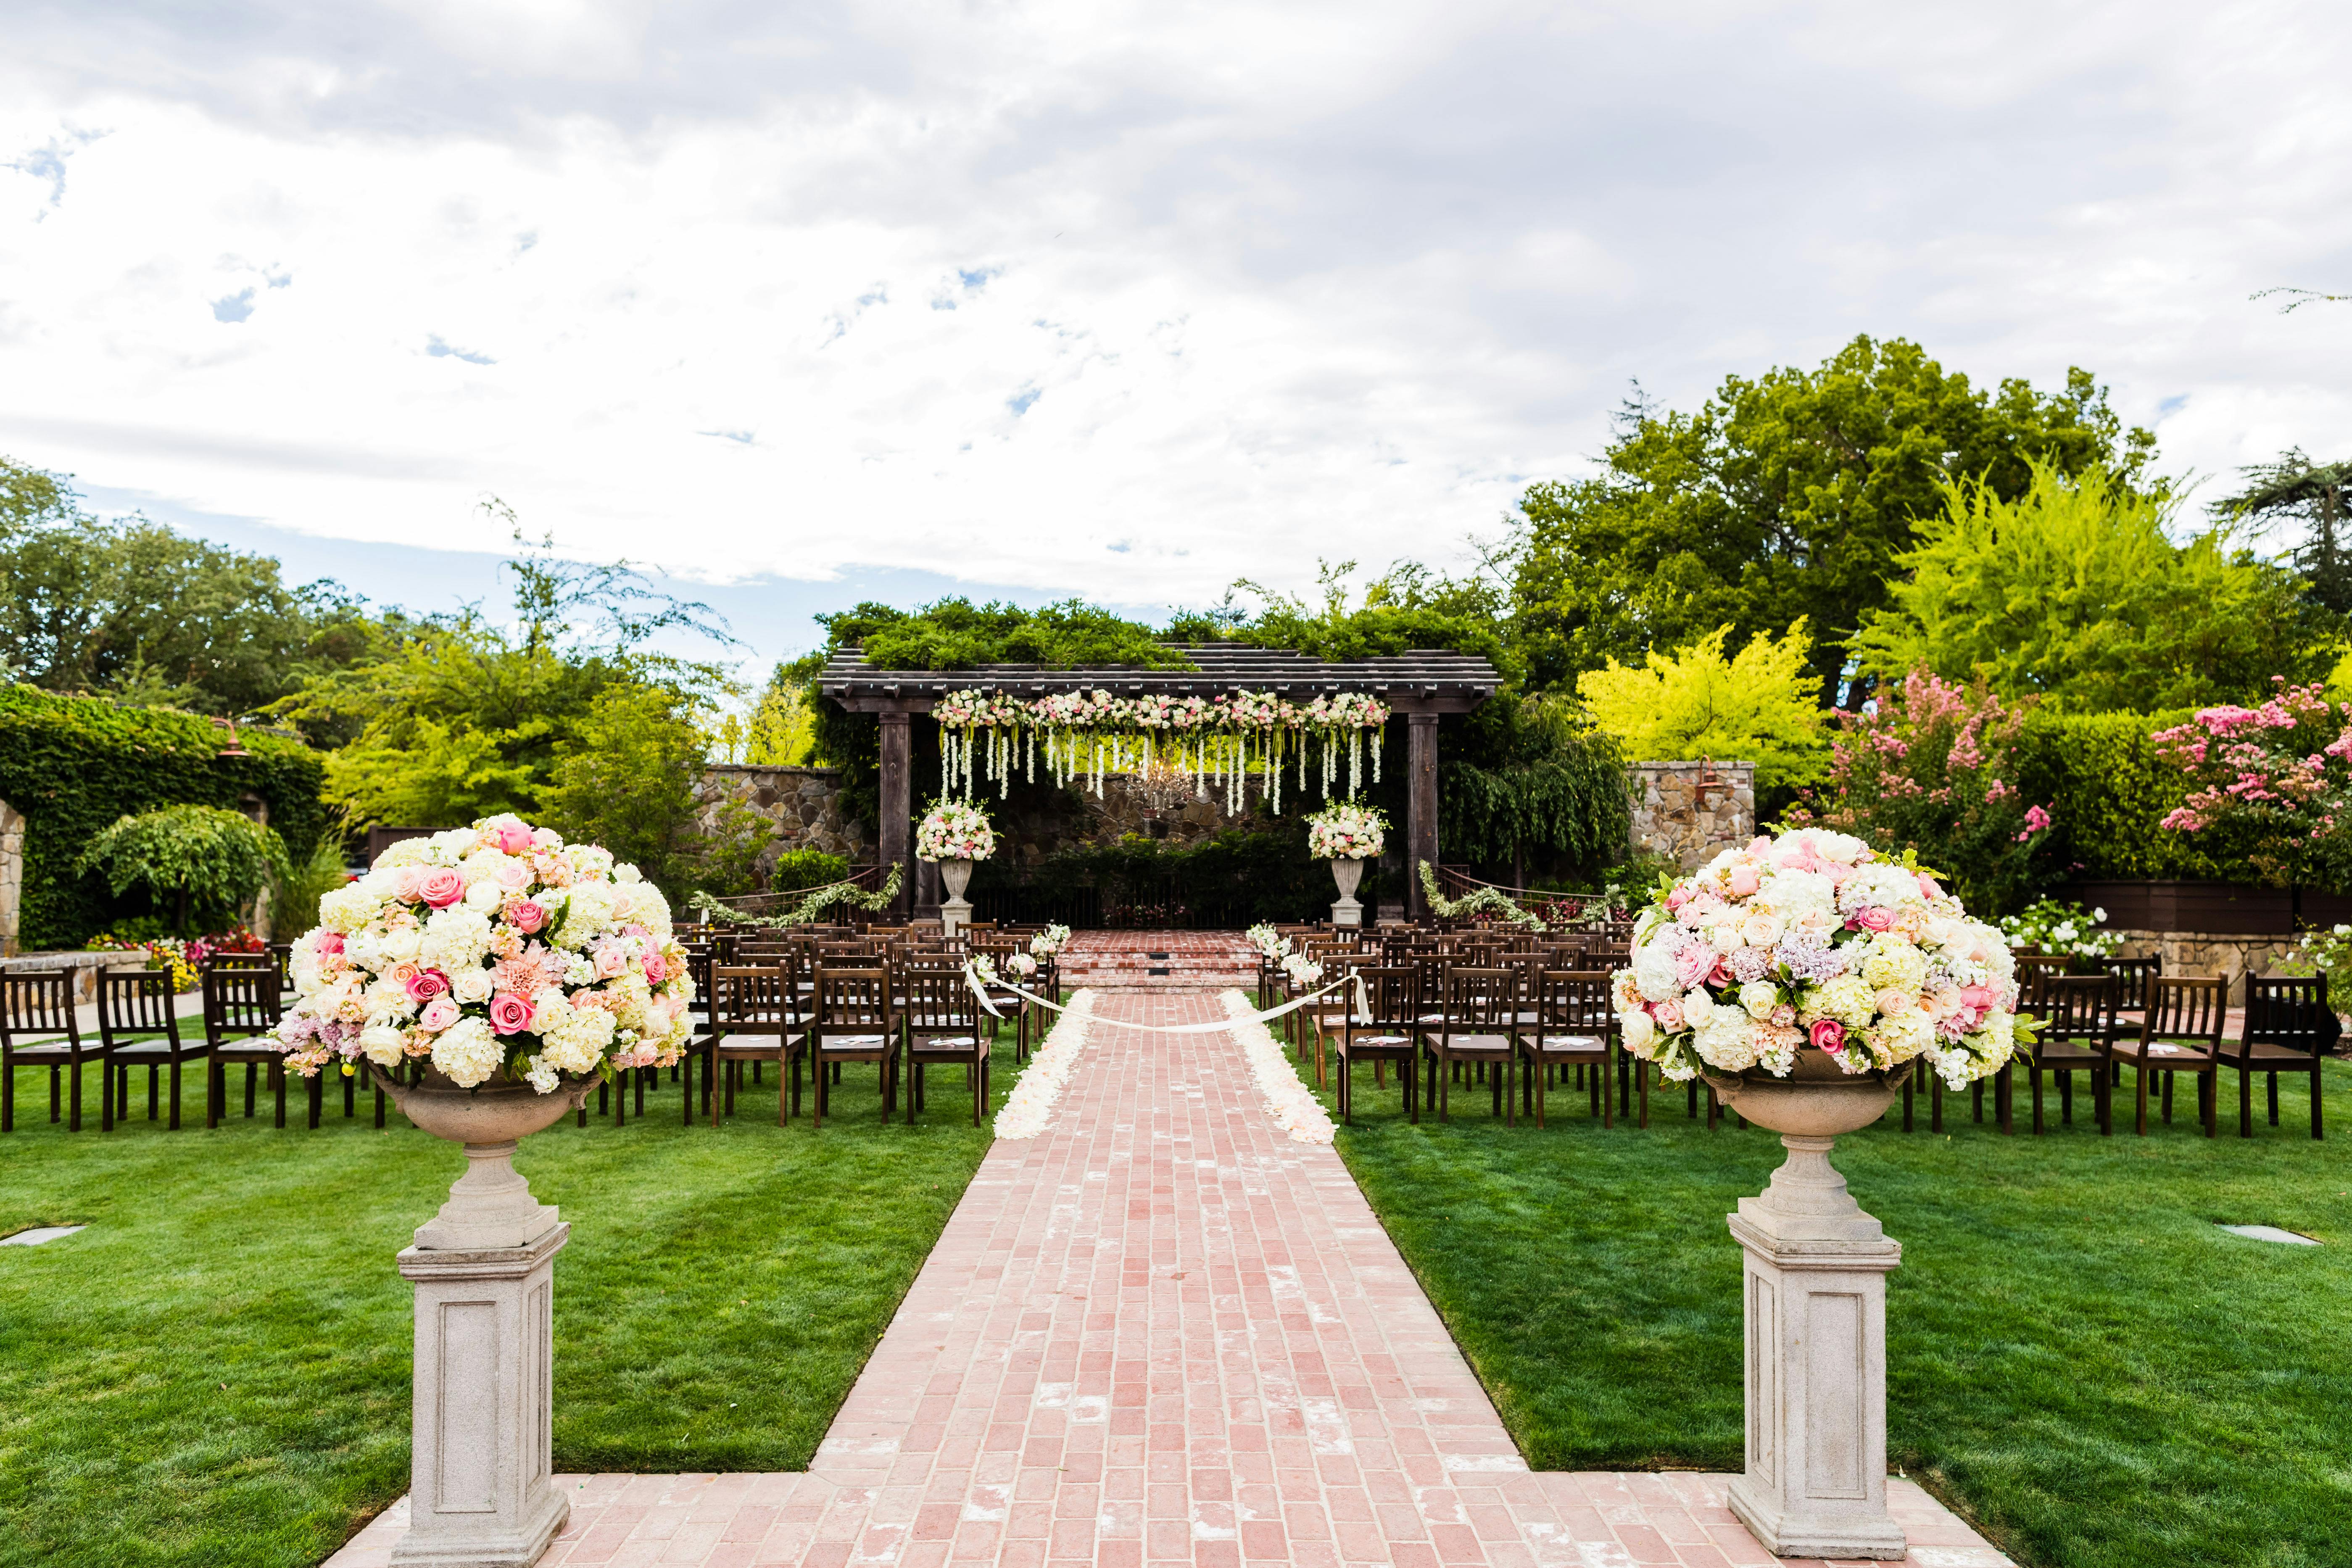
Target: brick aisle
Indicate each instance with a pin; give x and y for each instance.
(1163, 1333)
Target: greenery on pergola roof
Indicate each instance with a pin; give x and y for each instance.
(1425, 680)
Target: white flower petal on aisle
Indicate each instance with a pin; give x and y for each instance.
(1288, 1101)
(1029, 1109)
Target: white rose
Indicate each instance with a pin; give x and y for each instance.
(1760, 997)
(1759, 928)
(381, 1043)
(1638, 1032)
(471, 986)
(625, 873)
(1698, 1007)
(484, 895)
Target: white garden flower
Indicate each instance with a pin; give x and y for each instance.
(1877, 885)
(542, 1077)
(456, 939)
(1639, 1031)
(484, 895)
(348, 908)
(1760, 997)
(382, 1044)
(467, 1053)
(473, 986)
(1655, 973)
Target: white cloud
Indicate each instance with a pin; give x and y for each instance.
(1127, 301)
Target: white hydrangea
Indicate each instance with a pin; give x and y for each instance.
(451, 848)
(348, 908)
(575, 1037)
(1655, 973)
(587, 913)
(1895, 965)
(1902, 1036)
(1727, 1040)
(1792, 892)
(1845, 997)
(1880, 884)
(456, 939)
(467, 1053)
(407, 852)
(543, 1077)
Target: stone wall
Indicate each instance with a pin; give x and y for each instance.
(802, 804)
(2205, 953)
(12, 876)
(1676, 817)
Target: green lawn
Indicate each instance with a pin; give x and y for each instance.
(217, 1370)
(2077, 1359)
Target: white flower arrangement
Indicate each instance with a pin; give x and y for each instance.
(1049, 941)
(955, 830)
(1814, 940)
(1267, 940)
(2067, 931)
(493, 949)
(1346, 831)
(1285, 1097)
(1302, 969)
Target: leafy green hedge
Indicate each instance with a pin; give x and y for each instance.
(2108, 794)
(73, 765)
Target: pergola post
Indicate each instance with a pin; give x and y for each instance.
(1420, 808)
(898, 803)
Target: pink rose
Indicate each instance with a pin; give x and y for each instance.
(514, 875)
(439, 1013)
(1871, 917)
(515, 838)
(1669, 1016)
(327, 941)
(1977, 997)
(1743, 881)
(509, 1014)
(656, 969)
(1692, 962)
(526, 915)
(441, 887)
(546, 837)
(1829, 1035)
(1928, 887)
(609, 961)
(425, 984)
(1760, 843)
(1678, 897)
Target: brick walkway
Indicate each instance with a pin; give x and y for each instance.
(1159, 961)
(1158, 1334)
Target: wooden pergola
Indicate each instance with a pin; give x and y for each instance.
(1417, 687)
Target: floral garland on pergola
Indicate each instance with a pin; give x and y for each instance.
(1215, 740)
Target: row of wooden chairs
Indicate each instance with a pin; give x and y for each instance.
(2161, 1025)
(139, 1025)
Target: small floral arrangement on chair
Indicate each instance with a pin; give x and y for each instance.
(1346, 831)
(2065, 930)
(1049, 941)
(1302, 969)
(1267, 940)
(955, 830)
(1814, 940)
(492, 949)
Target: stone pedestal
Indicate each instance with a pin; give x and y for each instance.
(1816, 1315)
(955, 910)
(1349, 875)
(480, 1488)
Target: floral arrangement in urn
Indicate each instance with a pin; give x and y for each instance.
(496, 950)
(1346, 831)
(954, 830)
(1813, 939)
(2067, 931)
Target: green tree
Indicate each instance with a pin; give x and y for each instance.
(206, 862)
(134, 610)
(2310, 497)
(1757, 705)
(1788, 494)
(628, 782)
(2071, 590)
(464, 717)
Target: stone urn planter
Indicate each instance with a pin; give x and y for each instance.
(1815, 1296)
(1349, 874)
(955, 912)
(480, 1479)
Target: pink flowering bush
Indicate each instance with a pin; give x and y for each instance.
(2268, 785)
(1931, 767)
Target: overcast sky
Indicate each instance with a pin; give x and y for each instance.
(1119, 299)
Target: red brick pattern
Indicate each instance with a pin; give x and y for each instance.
(1163, 1333)
(1127, 960)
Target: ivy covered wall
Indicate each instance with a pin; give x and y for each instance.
(73, 765)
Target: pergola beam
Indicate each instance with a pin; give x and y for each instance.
(1418, 687)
